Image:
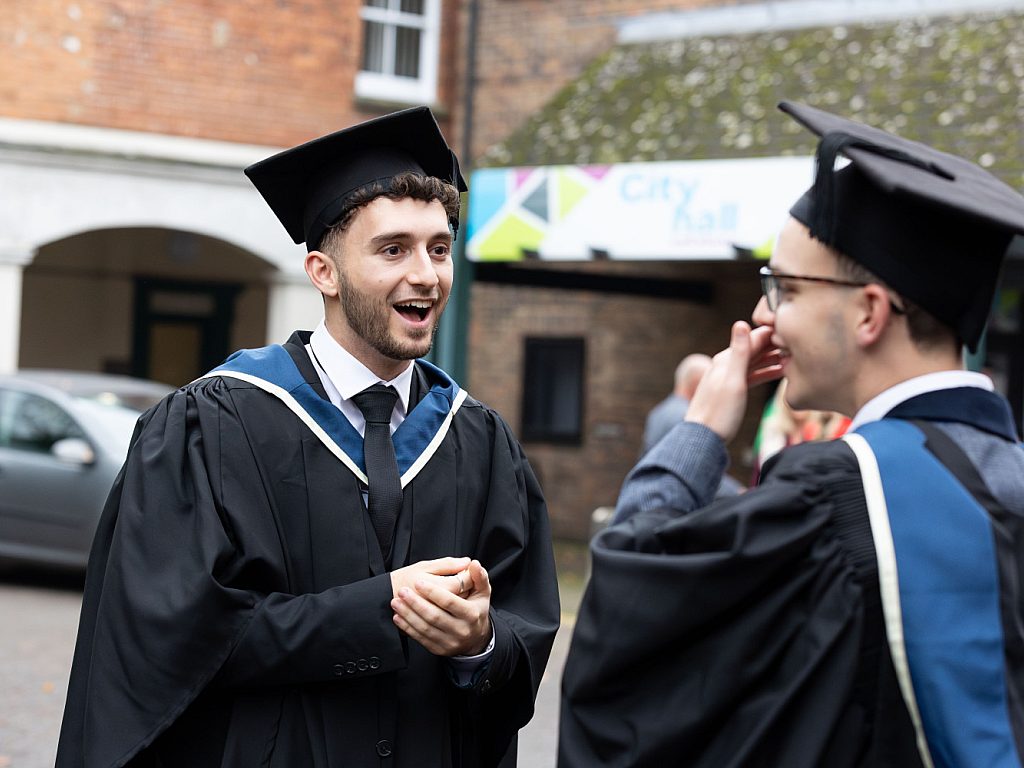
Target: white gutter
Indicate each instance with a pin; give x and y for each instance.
(794, 14)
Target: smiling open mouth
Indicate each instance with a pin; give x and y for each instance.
(416, 310)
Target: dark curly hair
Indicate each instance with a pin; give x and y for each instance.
(409, 184)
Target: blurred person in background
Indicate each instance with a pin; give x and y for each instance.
(781, 427)
(862, 606)
(324, 553)
(672, 409)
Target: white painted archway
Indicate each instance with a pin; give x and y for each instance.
(58, 180)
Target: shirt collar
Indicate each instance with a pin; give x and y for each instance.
(875, 408)
(347, 374)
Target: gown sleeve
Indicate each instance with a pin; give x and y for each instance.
(515, 547)
(706, 640)
(681, 472)
(162, 618)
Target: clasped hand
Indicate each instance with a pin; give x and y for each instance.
(444, 605)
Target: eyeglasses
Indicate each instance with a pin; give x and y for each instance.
(772, 289)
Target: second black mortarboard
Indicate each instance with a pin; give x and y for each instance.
(935, 227)
(307, 186)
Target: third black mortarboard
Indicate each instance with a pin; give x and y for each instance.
(306, 186)
(935, 227)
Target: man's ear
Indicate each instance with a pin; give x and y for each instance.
(323, 273)
(874, 314)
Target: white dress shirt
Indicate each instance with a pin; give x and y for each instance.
(344, 376)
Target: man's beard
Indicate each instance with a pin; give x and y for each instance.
(370, 319)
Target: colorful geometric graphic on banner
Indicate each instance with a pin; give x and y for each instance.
(699, 209)
(511, 210)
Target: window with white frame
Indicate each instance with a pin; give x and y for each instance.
(400, 50)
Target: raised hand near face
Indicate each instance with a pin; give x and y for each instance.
(721, 398)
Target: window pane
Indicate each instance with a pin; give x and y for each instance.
(37, 424)
(373, 47)
(553, 390)
(398, 60)
(407, 55)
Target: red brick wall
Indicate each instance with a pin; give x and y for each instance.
(633, 345)
(273, 72)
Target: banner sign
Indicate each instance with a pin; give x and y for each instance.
(701, 209)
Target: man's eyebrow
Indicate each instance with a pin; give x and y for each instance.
(389, 237)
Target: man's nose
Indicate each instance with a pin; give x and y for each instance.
(762, 315)
(422, 270)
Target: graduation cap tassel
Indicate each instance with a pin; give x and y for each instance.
(824, 185)
(831, 146)
(456, 174)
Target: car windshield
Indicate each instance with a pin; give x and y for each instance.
(116, 391)
(107, 405)
(136, 401)
(112, 424)
(115, 406)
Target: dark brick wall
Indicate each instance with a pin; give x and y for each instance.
(633, 344)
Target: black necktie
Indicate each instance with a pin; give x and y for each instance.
(385, 485)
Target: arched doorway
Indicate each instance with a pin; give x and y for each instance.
(157, 303)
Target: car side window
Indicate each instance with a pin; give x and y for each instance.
(33, 423)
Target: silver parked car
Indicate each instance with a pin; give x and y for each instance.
(63, 438)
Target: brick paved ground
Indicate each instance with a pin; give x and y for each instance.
(39, 619)
(37, 639)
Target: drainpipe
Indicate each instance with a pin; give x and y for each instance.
(454, 329)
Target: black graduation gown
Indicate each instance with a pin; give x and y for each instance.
(236, 609)
(749, 633)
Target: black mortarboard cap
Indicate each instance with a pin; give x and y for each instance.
(935, 227)
(307, 186)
